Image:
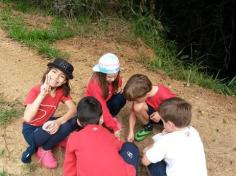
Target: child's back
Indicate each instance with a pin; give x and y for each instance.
(94, 150)
(182, 151)
(97, 153)
(178, 150)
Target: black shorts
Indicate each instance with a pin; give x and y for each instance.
(150, 111)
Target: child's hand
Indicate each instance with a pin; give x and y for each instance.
(117, 134)
(120, 90)
(130, 137)
(118, 124)
(47, 126)
(147, 148)
(45, 88)
(155, 117)
(54, 127)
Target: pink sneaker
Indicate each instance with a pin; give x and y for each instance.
(46, 158)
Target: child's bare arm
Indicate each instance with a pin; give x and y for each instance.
(69, 114)
(145, 160)
(32, 109)
(132, 121)
(155, 117)
(147, 148)
(58, 122)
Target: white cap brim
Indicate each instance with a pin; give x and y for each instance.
(96, 68)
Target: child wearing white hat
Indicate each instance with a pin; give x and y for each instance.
(105, 85)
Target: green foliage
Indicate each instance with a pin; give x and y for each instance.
(73, 8)
(3, 173)
(40, 39)
(8, 111)
(144, 25)
(152, 33)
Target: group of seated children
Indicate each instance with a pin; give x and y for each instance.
(94, 146)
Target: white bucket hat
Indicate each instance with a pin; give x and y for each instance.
(108, 63)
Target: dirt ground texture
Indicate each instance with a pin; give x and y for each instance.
(214, 115)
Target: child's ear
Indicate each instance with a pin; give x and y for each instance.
(79, 123)
(101, 120)
(171, 125)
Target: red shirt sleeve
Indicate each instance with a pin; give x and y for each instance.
(118, 143)
(69, 167)
(165, 92)
(93, 89)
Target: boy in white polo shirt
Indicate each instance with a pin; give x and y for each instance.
(178, 150)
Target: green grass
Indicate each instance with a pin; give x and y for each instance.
(30, 168)
(19, 5)
(153, 35)
(60, 28)
(3, 173)
(8, 111)
(145, 27)
(39, 39)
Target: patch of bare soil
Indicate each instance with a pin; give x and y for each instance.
(214, 115)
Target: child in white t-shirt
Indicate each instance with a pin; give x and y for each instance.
(178, 150)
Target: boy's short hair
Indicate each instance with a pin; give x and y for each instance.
(176, 110)
(89, 111)
(137, 86)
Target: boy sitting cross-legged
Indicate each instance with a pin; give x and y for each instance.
(94, 150)
(178, 150)
(146, 100)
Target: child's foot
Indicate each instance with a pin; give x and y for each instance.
(26, 155)
(141, 134)
(46, 158)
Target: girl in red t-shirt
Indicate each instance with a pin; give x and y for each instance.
(41, 130)
(105, 86)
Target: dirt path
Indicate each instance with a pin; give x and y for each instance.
(20, 68)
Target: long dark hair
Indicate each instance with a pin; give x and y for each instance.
(65, 87)
(101, 77)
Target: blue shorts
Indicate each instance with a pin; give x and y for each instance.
(151, 110)
(130, 153)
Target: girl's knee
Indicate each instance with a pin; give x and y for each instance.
(65, 128)
(140, 107)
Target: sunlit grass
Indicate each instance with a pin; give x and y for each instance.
(8, 111)
(40, 39)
